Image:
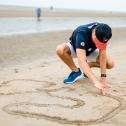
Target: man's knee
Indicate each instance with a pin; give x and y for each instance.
(110, 65)
(61, 49)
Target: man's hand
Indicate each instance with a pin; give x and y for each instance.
(98, 85)
(101, 85)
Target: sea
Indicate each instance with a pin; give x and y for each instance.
(26, 25)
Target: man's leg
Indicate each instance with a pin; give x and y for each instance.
(109, 65)
(63, 51)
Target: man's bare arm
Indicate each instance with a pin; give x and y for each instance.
(103, 61)
(81, 54)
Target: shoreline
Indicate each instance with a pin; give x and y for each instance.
(17, 26)
(24, 33)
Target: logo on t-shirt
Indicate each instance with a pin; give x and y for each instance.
(82, 43)
(89, 49)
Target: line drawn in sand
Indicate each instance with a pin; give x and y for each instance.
(50, 89)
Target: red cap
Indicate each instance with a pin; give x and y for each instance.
(100, 45)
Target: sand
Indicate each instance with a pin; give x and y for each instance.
(56, 13)
(18, 11)
(32, 92)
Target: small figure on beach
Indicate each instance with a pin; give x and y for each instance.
(88, 44)
(51, 8)
(38, 12)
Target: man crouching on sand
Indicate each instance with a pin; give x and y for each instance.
(87, 43)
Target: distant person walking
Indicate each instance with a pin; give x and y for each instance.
(38, 12)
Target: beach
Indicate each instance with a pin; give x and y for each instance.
(32, 92)
(19, 11)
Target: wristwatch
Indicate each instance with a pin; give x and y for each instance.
(103, 75)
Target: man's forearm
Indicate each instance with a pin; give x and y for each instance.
(86, 69)
(103, 63)
(81, 54)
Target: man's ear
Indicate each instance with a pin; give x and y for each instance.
(94, 30)
(93, 35)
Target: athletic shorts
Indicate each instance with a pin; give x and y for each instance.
(92, 57)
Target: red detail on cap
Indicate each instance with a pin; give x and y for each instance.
(100, 45)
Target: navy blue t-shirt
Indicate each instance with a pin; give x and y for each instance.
(82, 38)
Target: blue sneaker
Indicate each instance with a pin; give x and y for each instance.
(74, 76)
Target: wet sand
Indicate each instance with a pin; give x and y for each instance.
(17, 13)
(12, 11)
(32, 92)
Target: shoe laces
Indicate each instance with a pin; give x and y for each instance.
(71, 74)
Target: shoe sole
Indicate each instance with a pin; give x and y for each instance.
(75, 79)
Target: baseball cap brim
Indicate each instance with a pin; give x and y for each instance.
(100, 45)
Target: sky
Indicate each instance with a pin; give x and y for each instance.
(106, 5)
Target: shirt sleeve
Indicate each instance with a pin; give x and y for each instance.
(81, 40)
